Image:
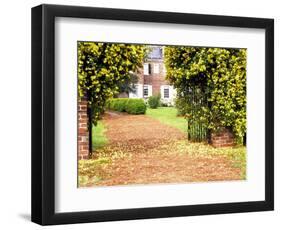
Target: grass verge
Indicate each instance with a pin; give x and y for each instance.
(99, 139)
(168, 116)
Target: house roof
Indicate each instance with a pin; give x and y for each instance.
(156, 52)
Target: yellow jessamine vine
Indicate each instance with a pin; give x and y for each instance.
(101, 67)
(216, 76)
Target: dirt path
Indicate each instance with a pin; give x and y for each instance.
(141, 131)
(150, 155)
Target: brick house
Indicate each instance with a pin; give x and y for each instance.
(151, 78)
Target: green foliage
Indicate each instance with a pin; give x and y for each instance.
(180, 104)
(211, 85)
(154, 101)
(129, 105)
(102, 67)
(136, 106)
(117, 104)
(128, 84)
(168, 116)
(164, 104)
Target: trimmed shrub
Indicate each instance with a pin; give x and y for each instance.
(118, 104)
(129, 105)
(135, 106)
(154, 101)
(164, 104)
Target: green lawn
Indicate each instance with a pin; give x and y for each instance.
(98, 137)
(168, 116)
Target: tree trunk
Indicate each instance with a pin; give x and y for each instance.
(89, 112)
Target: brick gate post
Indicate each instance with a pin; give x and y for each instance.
(224, 138)
(83, 133)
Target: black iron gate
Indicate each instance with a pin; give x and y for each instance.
(197, 124)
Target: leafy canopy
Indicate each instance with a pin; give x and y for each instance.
(102, 67)
(211, 83)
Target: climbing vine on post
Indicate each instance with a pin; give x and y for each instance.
(217, 75)
(101, 68)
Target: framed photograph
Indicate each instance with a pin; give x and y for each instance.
(143, 114)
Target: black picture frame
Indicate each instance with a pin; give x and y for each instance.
(43, 114)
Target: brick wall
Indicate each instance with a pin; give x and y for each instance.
(224, 138)
(155, 79)
(83, 134)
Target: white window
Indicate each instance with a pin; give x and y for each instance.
(146, 69)
(166, 92)
(145, 91)
(156, 68)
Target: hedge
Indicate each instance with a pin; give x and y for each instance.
(135, 106)
(154, 101)
(129, 105)
(117, 104)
